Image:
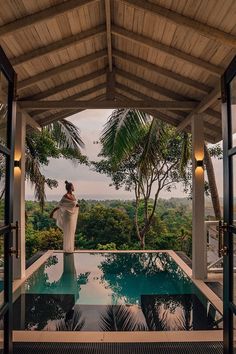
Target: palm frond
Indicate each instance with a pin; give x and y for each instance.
(66, 134)
(120, 133)
(119, 318)
(72, 322)
(37, 179)
(152, 144)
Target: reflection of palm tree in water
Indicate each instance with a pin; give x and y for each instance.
(167, 313)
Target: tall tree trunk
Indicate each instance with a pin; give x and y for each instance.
(212, 184)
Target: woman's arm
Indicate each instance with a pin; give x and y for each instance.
(51, 214)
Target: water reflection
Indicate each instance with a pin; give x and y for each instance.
(113, 292)
(135, 274)
(52, 311)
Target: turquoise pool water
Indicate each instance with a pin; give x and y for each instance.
(112, 292)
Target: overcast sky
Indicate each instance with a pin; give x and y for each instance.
(89, 184)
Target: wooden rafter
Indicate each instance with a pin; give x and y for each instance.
(42, 16)
(177, 54)
(159, 89)
(64, 114)
(162, 116)
(58, 46)
(60, 69)
(76, 96)
(177, 120)
(67, 85)
(162, 71)
(108, 28)
(202, 106)
(192, 24)
(161, 105)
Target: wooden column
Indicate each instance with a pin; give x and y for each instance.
(19, 195)
(198, 206)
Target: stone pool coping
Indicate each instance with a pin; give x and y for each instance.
(84, 337)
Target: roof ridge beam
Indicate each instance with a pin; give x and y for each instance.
(202, 106)
(67, 85)
(58, 45)
(42, 16)
(60, 69)
(205, 30)
(176, 53)
(108, 30)
(161, 90)
(162, 71)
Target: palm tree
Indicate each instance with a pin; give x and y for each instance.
(144, 144)
(66, 139)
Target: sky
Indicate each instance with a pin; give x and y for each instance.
(89, 184)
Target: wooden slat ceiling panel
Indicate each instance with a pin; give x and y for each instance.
(72, 91)
(64, 77)
(158, 79)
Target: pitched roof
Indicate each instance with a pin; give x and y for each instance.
(122, 50)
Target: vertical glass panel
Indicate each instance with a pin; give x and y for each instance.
(3, 108)
(234, 190)
(1, 271)
(234, 333)
(2, 188)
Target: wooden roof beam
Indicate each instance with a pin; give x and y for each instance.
(142, 96)
(205, 30)
(150, 43)
(162, 71)
(108, 28)
(165, 117)
(161, 90)
(202, 106)
(58, 46)
(66, 104)
(67, 85)
(76, 96)
(111, 83)
(60, 69)
(64, 114)
(42, 16)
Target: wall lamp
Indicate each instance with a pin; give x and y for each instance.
(17, 163)
(199, 163)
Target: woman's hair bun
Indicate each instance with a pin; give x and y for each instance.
(66, 182)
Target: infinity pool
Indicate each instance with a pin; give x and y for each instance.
(112, 292)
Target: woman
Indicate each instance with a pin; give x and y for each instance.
(66, 214)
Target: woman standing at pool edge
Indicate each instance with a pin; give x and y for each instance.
(66, 214)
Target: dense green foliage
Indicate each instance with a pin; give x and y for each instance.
(108, 225)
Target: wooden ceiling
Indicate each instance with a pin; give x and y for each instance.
(165, 57)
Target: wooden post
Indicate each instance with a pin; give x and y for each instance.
(199, 242)
(19, 195)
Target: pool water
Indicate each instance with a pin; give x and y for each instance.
(112, 292)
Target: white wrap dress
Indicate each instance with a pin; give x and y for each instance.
(66, 219)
